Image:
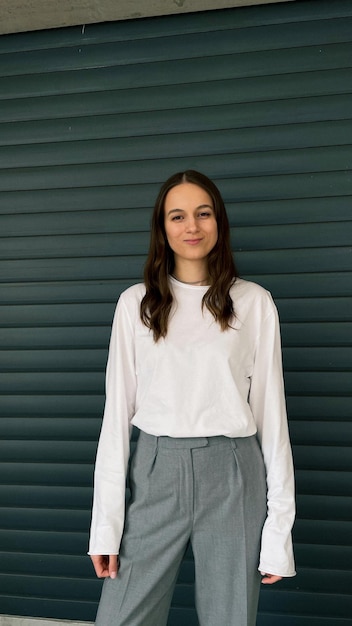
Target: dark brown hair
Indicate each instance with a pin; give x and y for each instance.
(157, 302)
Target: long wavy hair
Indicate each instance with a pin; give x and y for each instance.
(156, 305)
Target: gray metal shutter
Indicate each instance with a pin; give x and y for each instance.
(92, 120)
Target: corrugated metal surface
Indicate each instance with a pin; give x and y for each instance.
(91, 122)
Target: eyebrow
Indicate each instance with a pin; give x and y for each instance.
(201, 206)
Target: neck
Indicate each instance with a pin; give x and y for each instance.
(192, 275)
(196, 282)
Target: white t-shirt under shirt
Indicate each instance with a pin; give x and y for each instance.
(197, 382)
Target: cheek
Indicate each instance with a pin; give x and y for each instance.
(171, 237)
(167, 231)
(168, 235)
(173, 232)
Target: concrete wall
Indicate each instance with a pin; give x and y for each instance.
(27, 15)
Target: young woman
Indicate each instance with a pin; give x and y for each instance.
(195, 364)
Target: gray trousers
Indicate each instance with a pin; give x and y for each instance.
(207, 491)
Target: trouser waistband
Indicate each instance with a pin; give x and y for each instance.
(188, 442)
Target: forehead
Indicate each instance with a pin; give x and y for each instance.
(187, 195)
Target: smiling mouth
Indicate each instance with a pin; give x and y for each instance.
(192, 242)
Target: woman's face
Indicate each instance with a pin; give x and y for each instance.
(190, 223)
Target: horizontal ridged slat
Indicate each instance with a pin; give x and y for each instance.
(254, 142)
(91, 123)
(264, 238)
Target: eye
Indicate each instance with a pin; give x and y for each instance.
(176, 218)
(204, 214)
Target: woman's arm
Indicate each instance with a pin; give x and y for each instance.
(267, 401)
(113, 449)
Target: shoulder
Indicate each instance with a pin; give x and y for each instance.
(133, 294)
(247, 289)
(248, 296)
(128, 304)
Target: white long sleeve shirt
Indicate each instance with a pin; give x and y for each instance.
(197, 382)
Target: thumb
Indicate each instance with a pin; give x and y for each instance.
(113, 568)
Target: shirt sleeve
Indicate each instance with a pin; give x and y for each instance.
(267, 401)
(114, 443)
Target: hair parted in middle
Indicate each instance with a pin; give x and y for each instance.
(157, 302)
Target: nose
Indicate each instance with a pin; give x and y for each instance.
(192, 225)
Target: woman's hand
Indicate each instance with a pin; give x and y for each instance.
(269, 579)
(105, 565)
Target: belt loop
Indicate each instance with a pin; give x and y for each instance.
(233, 444)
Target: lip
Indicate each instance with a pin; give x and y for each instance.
(193, 242)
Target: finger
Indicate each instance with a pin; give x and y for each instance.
(113, 565)
(101, 565)
(270, 579)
